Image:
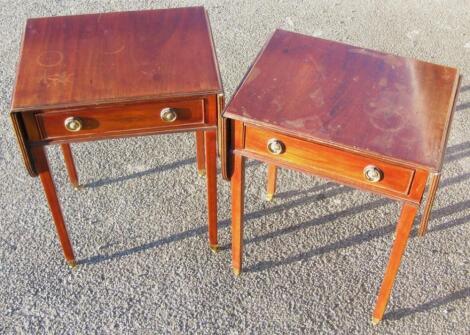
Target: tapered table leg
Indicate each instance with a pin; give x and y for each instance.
(42, 166)
(238, 189)
(423, 227)
(211, 169)
(70, 165)
(200, 152)
(402, 232)
(271, 185)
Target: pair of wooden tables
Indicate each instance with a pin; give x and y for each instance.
(362, 118)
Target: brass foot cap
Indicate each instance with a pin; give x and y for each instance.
(214, 248)
(236, 272)
(77, 187)
(269, 196)
(375, 321)
(72, 264)
(201, 173)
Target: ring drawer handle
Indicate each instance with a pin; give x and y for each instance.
(168, 114)
(372, 173)
(275, 146)
(73, 124)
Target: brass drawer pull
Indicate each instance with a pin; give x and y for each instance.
(372, 173)
(73, 124)
(275, 146)
(168, 114)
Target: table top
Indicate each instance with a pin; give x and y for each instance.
(350, 97)
(101, 58)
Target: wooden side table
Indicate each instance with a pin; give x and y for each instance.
(101, 76)
(362, 118)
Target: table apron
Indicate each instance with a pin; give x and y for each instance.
(121, 134)
(414, 196)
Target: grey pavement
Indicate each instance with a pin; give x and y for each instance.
(314, 257)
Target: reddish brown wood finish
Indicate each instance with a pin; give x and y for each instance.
(220, 137)
(237, 174)
(271, 182)
(423, 227)
(349, 97)
(70, 164)
(327, 161)
(40, 158)
(200, 152)
(120, 118)
(404, 225)
(211, 169)
(336, 109)
(238, 191)
(115, 73)
(109, 57)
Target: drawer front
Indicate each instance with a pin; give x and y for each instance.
(327, 161)
(135, 117)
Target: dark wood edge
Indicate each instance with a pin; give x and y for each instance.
(224, 129)
(22, 142)
(124, 104)
(214, 53)
(17, 67)
(221, 144)
(452, 107)
(418, 185)
(129, 100)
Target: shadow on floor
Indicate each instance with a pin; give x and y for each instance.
(400, 313)
(319, 192)
(157, 169)
(457, 152)
(463, 105)
(316, 193)
(464, 88)
(355, 239)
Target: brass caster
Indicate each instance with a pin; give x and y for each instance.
(214, 248)
(375, 321)
(77, 187)
(72, 264)
(236, 272)
(269, 196)
(201, 173)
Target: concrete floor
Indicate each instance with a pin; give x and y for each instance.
(314, 257)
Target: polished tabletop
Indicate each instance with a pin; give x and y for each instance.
(345, 96)
(96, 58)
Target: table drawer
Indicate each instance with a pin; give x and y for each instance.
(327, 161)
(135, 117)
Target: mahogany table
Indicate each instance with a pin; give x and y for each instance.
(362, 118)
(101, 76)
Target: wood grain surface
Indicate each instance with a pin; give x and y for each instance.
(95, 58)
(347, 96)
